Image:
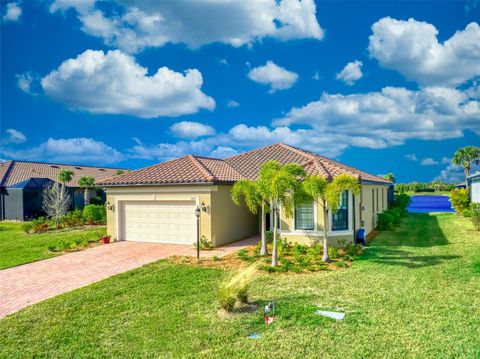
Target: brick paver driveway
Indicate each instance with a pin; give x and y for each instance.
(31, 283)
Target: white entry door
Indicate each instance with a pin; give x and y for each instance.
(475, 192)
(159, 221)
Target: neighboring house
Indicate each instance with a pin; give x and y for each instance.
(474, 185)
(22, 184)
(157, 203)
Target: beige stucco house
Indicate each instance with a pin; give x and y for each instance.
(157, 203)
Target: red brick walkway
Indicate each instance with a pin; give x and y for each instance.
(31, 283)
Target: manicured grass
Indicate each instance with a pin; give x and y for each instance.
(413, 294)
(17, 247)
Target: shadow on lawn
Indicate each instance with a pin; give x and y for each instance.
(417, 230)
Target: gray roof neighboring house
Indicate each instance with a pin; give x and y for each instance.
(13, 172)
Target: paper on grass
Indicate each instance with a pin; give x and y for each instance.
(333, 315)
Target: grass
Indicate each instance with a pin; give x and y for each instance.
(413, 294)
(17, 247)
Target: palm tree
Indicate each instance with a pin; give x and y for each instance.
(390, 177)
(327, 195)
(251, 194)
(464, 157)
(65, 176)
(86, 183)
(279, 185)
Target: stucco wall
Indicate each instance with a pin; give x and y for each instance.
(373, 204)
(229, 221)
(157, 193)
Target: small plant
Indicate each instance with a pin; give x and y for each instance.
(27, 227)
(216, 258)
(333, 252)
(459, 199)
(236, 287)
(475, 215)
(40, 225)
(73, 219)
(243, 255)
(269, 236)
(385, 221)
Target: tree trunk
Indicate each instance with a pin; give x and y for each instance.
(467, 173)
(263, 249)
(86, 200)
(274, 251)
(325, 257)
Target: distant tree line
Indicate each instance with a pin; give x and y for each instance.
(434, 186)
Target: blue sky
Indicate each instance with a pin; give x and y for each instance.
(383, 86)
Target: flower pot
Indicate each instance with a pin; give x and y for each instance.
(106, 240)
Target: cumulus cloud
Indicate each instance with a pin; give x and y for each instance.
(79, 150)
(391, 116)
(113, 83)
(273, 75)
(232, 104)
(138, 24)
(351, 72)
(223, 152)
(455, 174)
(411, 157)
(188, 129)
(13, 12)
(27, 82)
(429, 161)
(412, 48)
(14, 136)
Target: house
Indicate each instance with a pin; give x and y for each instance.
(22, 184)
(474, 186)
(157, 203)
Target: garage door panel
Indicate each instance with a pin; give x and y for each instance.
(159, 221)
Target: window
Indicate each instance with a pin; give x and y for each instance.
(340, 218)
(304, 217)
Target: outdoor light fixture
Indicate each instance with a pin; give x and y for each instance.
(197, 214)
(110, 207)
(204, 208)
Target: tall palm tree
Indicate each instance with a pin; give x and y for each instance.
(86, 183)
(327, 195)
(65, 176)
(250, 192)
(279, 185)
(464, 157)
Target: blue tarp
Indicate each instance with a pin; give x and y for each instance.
(421, 204)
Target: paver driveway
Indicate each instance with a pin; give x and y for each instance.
(31, 283)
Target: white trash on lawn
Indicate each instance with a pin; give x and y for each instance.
(333, 315)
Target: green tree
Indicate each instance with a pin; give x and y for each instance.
(249, 191)
(327, 196)
(465, 156)
(390, 177)
(119, 172)
(86, 183)
(279, 185)
(65, 176)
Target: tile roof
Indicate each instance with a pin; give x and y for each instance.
(12, 172)
(199, 169)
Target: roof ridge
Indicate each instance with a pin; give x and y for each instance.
(202, 168)
(297, 150)
(67, 164)
(345, 166)
(252, 151)
(318, 163)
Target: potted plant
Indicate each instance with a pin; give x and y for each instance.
(106, 239)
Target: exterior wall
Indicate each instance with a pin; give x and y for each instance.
(363, 212)
(229, 221)
(115, 195)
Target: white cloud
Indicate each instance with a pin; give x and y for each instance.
(316, 76)
(26, 82)
(411, 157)
(14, 136)
(232, 104)
(137, 140)
(188, 129)
(351, 72)
(412, 48)
(138, 24)
(273, 75)
(75, 150)
(223, 152)
(445, 160)
(13, 12)
(454, 174)
(429, 161)
(391, 116)
(113, 83)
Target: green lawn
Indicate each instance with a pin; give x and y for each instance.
(414, 294)
(17, 247)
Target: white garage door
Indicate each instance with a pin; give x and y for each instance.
(159, 221)
(476, 192)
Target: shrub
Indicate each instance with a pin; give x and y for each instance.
(236, 287)
(402, 200)
(40, 225)
(385, 221)
(73, 219)
(97, 200)
(27, 227)
(243, 254)
(94, 214)
(299, 249)
(269, 236)
(333, 252)
(475, 215)
(459, 199)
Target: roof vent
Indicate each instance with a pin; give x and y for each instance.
(54, 166)
(101, 169)
(78, 168)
